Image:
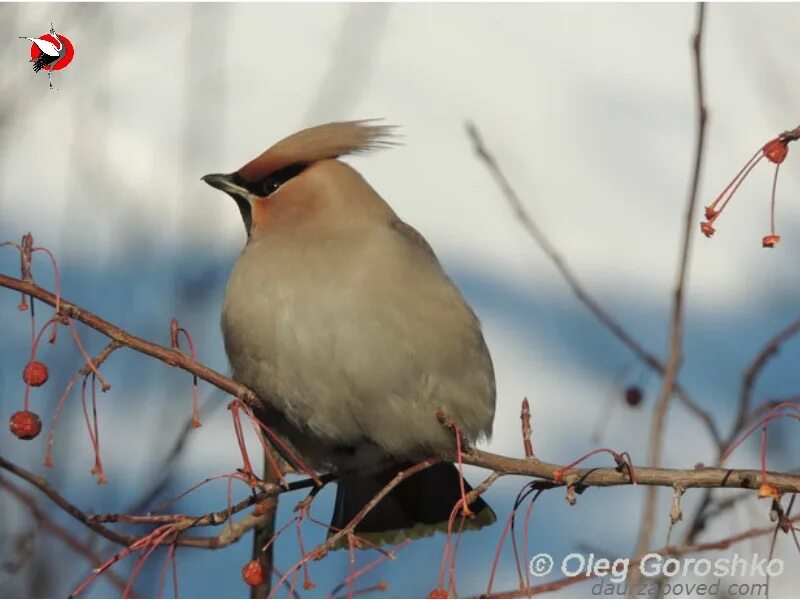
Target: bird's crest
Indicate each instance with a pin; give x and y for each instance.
(320, 143)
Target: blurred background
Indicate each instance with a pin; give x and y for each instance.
(590, 111)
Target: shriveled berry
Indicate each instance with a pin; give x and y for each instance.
(633, 395)
(707, 229)
(25, 424)
(253, 573)
(776, 150)
(35, 373)
(438, 593)
(769, 241)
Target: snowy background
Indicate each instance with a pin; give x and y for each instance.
(590, 111)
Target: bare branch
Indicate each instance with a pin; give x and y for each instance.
(174, 358)
(754, 370)
(686, 478)
(46, 523)
(675, 352)
(42, 484)
(594, 307)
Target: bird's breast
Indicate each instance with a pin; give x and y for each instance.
(357, 340)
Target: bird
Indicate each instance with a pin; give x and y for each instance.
(50, 53)
(341, 319)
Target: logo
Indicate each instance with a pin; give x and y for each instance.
(50, 52)
(541, 565)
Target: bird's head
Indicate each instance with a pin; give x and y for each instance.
(288, 180)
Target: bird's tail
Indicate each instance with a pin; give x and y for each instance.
(418, 507)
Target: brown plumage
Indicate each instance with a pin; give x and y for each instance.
(318, 143)
(339, 316)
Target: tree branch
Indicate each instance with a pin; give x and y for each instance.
(593, 305)
(754, 370)
(46, 523)
(675, 352)
(172, 357)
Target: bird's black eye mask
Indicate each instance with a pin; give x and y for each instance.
(270, 184)
(263, 188)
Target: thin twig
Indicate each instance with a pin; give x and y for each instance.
(44, 486)
(754, 370)
(101, 357)
(232, 533)
(675, 352)
(77, 545)
(347, 533)
(594, 307)
(744, 417)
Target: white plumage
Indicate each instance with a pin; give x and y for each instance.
(46, 46)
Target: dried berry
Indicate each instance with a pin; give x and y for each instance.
(438, 593)
(25, 424)
(774, 151)
(707, 228)
(633, 395)
(253, 573)
(35, 373)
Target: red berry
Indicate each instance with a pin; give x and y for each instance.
(769, 241)
(633, 396)
(253, 573)
(776, 150)
(438, 593)
(35, 373)
(707, 229)
(25, 424)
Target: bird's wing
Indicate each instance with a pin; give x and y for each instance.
(413, 236)
(48, 48)
(42, 61)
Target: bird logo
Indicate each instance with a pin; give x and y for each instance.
(51, 51)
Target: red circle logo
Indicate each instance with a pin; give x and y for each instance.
(69, 51)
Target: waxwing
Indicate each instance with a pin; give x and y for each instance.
(338, 315)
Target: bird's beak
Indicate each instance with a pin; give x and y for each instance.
(243, 197)
(225, 183)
